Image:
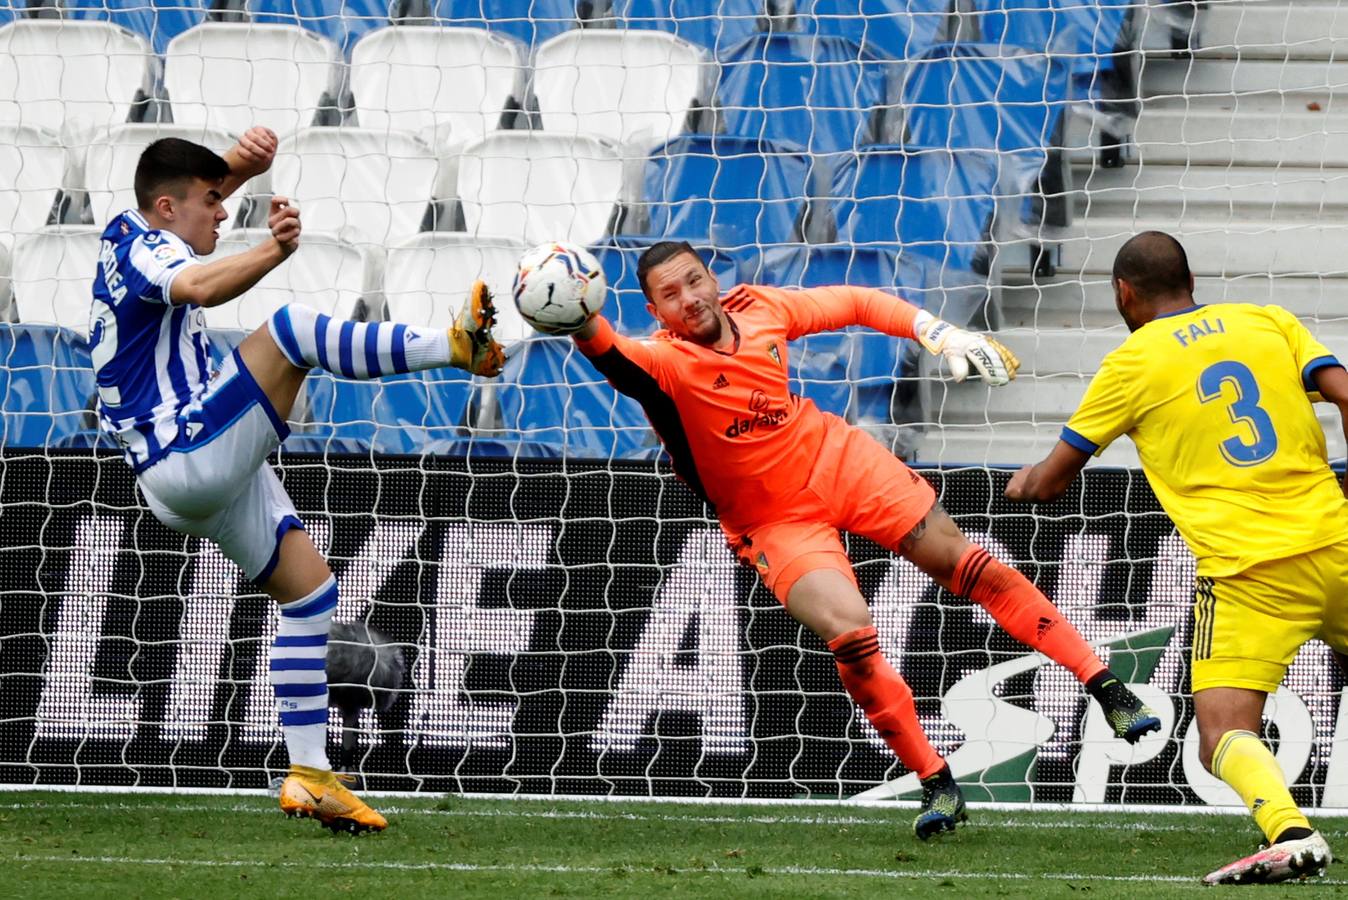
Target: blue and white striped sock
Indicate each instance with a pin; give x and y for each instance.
(356, 349)
(299, 674)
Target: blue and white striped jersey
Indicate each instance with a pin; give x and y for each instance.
(150, 357)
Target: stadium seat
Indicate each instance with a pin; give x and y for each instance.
(538, 186)
(815, 91)
(1084, 33)
(398, 414)
(53, 276)
(886, 29)
(447, 85)
(981, 97)
(427, 277)
(110, 165)
(529, 21)
(633, 87)
(626, 308)
(46, 385)
(736, 192)
(932, 202)
(70, 78)
(232, 75)
(370, 187)
(716, 25)
(324, 273)
(158, 21)
(343, 23)
(549, 395)
(35, 166)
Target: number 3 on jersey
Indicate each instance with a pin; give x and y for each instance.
(1244, 408)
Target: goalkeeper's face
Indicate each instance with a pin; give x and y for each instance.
(684, 296)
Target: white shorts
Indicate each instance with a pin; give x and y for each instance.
(215, 481)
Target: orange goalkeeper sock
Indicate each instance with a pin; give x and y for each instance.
(1025, 613)
(885, 697)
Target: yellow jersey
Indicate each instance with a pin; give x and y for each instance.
(1217, 399)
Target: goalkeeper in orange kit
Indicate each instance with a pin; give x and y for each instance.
(784, 478)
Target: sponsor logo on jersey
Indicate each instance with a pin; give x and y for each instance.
(775, 354)
(761, 416)
(165, 253)
(720, 382)
(761, 563)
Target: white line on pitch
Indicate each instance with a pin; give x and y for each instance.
(898, 821)
(626, 869)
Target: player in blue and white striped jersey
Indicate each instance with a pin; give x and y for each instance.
(199, 438)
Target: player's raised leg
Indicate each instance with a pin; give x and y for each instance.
(828, 603)
(306, 592)
(938, 547)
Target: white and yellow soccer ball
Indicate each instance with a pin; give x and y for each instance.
(559, 287)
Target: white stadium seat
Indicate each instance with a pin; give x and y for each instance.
(35, 166)
(110, 165)
(53, 276)
(232, 76)
(324, 273)
(538, 186)
(368, 186)
(426, 279)
(447, 85)
(69, 77)
(629, 86)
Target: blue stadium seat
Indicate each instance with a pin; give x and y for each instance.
(929, 201)
(734, 191)
(399, 414)
(158, 21)
(551, 397)
(626, 307)
(342, 22)
(887, 29)
(46, 386)
(717, 25)
(980, 97)
(530, 21)
(814, 91)
(1086, 33)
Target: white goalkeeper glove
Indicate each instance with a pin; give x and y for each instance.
(995, 363)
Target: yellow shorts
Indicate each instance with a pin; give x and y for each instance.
(1248, 627)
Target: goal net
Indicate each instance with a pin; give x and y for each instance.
(569, 618)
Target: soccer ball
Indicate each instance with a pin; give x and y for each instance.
(559, 287)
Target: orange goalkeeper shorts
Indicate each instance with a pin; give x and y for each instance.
(856, 485)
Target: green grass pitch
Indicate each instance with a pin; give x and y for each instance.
(198, 847)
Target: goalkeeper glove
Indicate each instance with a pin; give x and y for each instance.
(995, 363)
(472, 348)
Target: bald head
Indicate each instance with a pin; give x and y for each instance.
(1155, 266)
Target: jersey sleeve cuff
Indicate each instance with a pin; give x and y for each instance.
(1319, 362)
(177, 269)
(600, 343)
(1079, 441)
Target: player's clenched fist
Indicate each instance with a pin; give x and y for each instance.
(284, 222)
(255, 151)
(995, 363)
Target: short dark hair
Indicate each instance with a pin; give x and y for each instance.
(169, 163)
(1154, 264)
(660, 252)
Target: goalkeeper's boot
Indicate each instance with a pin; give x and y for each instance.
(472, 347)
(1126, 714)
(942, 805)
(319, 794)
(1302, 858)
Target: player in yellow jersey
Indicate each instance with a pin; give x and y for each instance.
(1217, 399)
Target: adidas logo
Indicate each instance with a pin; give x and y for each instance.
(720, 382)
(1045, 626)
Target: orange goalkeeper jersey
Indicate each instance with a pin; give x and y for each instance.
(733, 429)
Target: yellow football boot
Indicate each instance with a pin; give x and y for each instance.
(318, 794)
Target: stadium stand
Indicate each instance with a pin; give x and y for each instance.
(52, 270)
(539, 186)
(325, 273)
(884, 29)
(233, 75)
(427, 277)
(632, 87)
(46, 384)
(110, 166)
(158, 21)
(369, 186)
(736, 193)
(531, 22)
(36, 164)
(446, 85)
(717, 25)
(71, 77)
(343, 22)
